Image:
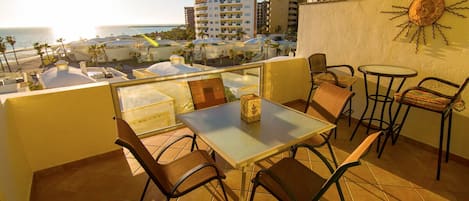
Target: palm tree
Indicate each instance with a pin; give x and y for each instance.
(3, 49)
(267, 43)
(232, 56)
(248, 55)
(12, 42)
(61, 41)
(276, 46)
(102, 50)
(201, 34)
(190, 51)
(3, 67)
(38, 48)
(47, 46)
(203, 52)
(93, 51)
(240, 33)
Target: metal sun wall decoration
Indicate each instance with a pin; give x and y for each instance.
(422, 13)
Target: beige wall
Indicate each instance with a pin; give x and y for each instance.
(43, 129)
(15, 172)
(286, 80)
(356, 33)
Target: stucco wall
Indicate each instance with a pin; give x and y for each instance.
(60, 126)
(43, 129)
(15, 172)
(286, 80)
(355, 32)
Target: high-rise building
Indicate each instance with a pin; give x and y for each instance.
(225, 19)
(281, 15)
(262, 16)
(189, 13)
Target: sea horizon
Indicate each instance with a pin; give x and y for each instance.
(26, 36)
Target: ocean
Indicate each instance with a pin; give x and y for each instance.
(26, 37)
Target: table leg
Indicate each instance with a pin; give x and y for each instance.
(243, 193)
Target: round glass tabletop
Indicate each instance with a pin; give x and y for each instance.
(387, 70)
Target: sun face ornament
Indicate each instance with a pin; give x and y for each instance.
(423, 13)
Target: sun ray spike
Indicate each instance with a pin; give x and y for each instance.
(423, 35)
(433, 30)
(400, 32)
(408, 29)
(413, 35)
(402, 14)
(455, 13)
(402, 7)
(457, 3)
(442, 34)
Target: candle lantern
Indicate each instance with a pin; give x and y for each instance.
(250, 108)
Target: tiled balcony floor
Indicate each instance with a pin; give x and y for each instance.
(404, 172)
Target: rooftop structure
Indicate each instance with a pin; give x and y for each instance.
(64, 75)
(13, 82)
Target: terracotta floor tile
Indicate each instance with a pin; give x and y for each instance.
(404, 172)
(360, 174)
(385, 177)
(396, 193)
(435, 195)
(365, 191)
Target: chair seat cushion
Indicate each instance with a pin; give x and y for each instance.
(424, 100)
(300, 181)
(176, 169)
(343, 80)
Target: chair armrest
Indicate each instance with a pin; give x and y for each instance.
(170, 144)
(192, 171)
(438, 80)
(349, 67)
(336, 79)
(311, 148)
(426, 90)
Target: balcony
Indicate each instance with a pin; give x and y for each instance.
(381, 177)
(71, 154)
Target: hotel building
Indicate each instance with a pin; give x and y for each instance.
(225, 19)
(189, 15)
(278, 16)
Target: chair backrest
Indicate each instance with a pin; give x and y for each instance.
(352, 160)
(317, 63)
(207, 92)
(330, 100)
(128, 139)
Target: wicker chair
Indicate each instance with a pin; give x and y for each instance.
(176, 178)
(328, 104)
(290, 180)
(321, 72)
(425, 98)
(207, 92)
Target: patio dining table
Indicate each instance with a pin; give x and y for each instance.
(243, 144)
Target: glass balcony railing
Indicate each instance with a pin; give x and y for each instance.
(150, 105)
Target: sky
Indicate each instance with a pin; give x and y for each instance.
(68, 13)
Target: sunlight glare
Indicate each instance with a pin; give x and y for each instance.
(73, 32)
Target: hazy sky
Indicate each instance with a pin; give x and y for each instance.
(63, 13)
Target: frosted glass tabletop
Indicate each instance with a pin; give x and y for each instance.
(387, 70)
(241, 143)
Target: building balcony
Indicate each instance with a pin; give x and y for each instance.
(58, 144)
(90, 122)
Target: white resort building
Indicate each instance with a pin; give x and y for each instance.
(225, 19)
